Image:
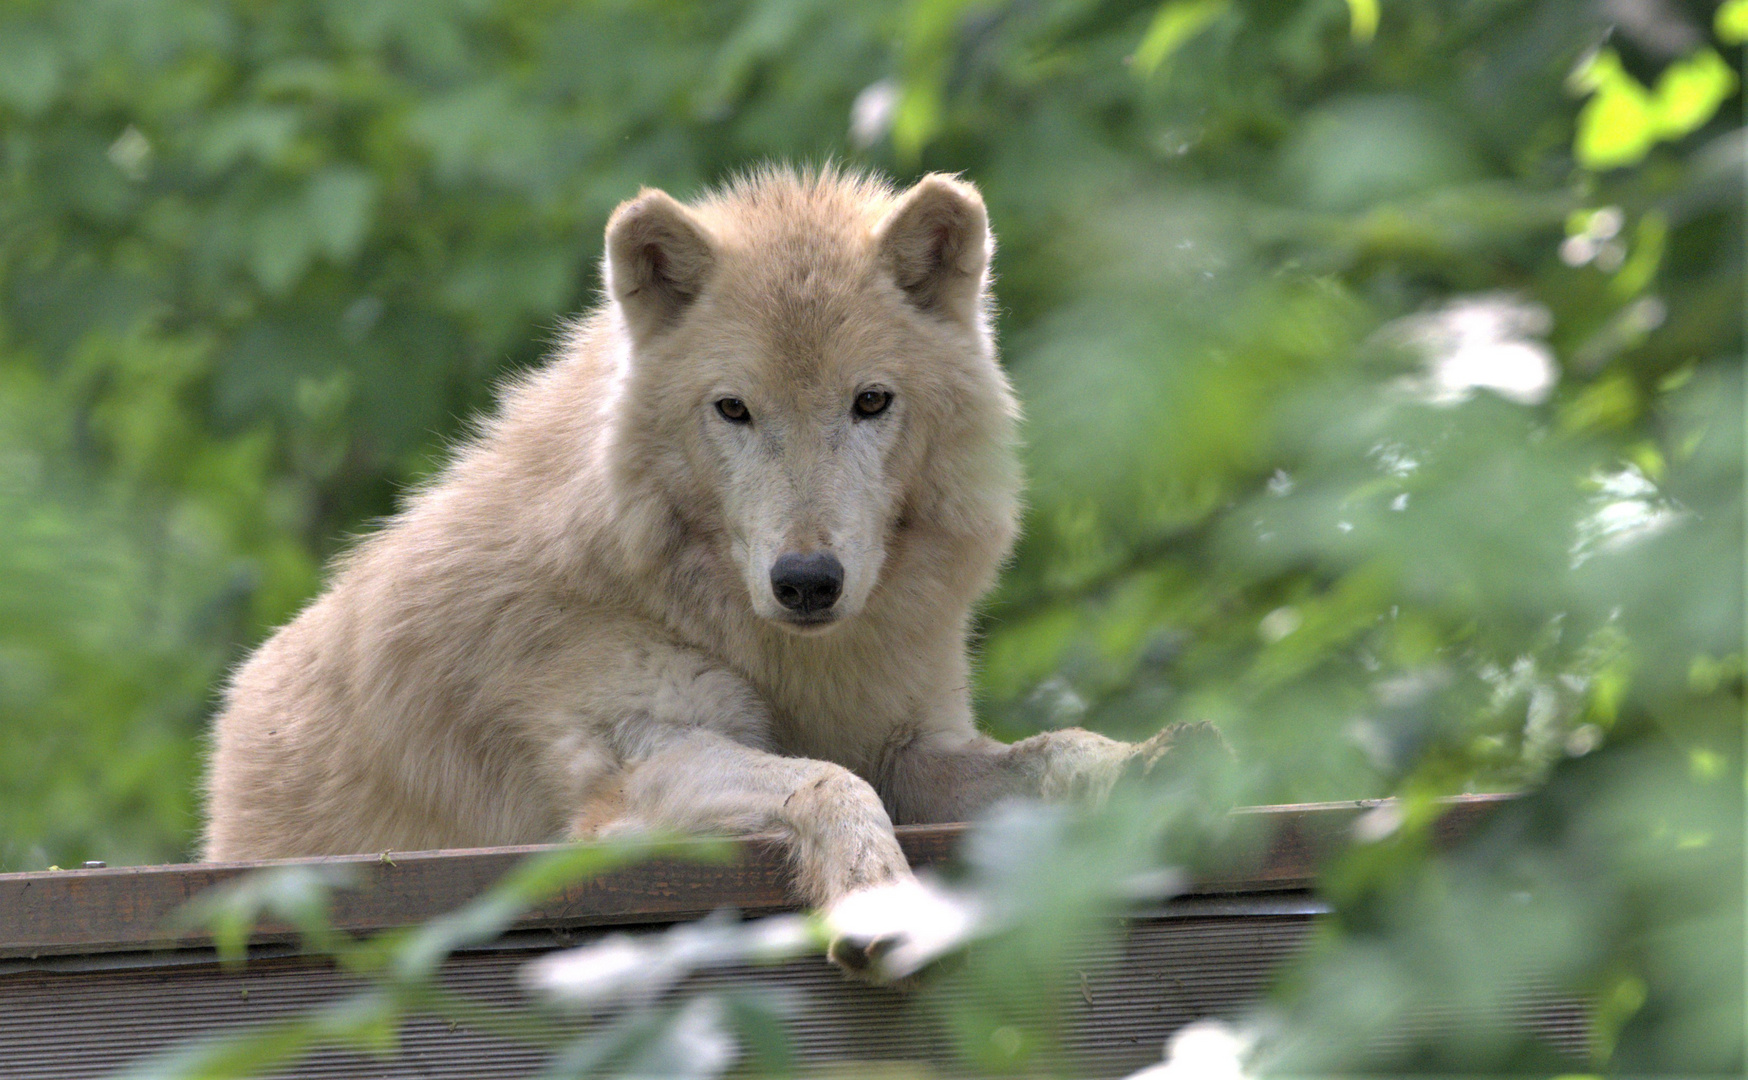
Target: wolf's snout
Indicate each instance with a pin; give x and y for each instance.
(807, 584)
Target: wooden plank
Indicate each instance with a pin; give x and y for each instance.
(104, 910)
(1299, 836)
(126, 908)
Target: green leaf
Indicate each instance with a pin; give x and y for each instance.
(916, 119)
(1623, 120)
(282, 245)
(1363, 18)
(926, 47)
(1689, 92)
(1641, 267)
(258, 133)
(298, 895)
(1618, 125)
(1180, 20)
(1731, 22)
(339, 202)
(368, 1021)
(534, 880)
(30, 69)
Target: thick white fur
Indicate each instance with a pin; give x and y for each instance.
(571, 631)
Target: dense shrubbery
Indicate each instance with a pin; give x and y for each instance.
(1383, 370)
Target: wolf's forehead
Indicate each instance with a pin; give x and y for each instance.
(805, 296)
(796, 263)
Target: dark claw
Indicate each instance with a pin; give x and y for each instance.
(860, 960)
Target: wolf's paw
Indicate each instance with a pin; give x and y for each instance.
(888, 933)
(1178, 746)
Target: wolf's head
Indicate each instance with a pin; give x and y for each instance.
(808, 381)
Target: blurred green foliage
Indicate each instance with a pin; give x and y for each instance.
(1383, 366)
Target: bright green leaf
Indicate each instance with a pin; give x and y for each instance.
(926, 47)
(1618, 125)
(917, 118)
(1689, 92)
(1176, 23)
(1641, 267)
(1363, 16)
(1623, 120)
(1731, 22)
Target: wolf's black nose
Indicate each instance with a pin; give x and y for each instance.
(807, 583)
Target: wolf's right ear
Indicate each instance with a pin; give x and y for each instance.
(936, 243)
(658, 257)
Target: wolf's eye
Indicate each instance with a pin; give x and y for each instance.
(872, 402)
(734, 410)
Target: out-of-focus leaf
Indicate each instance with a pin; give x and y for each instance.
(536, 879)
(1176, 22)
(340, 201)
(296, 895)
(1618, 125)
(1356, 152)
(690, 1041)
(283, 244)
(367, 1022)
(623, 967)
(252, 132)
(1363, 17)
(1623, 120)
(926, 46)
(30, 68)
(1689, 92)
(1730, 22)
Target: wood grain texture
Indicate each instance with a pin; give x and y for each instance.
(129, 908)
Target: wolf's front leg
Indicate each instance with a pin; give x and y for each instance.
(837, 829)
(839, 835)
(951, 777)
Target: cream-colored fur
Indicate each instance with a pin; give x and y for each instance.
(572, 631)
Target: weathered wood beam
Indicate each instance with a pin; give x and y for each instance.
(128, 908)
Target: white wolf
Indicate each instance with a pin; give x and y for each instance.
(709, 569)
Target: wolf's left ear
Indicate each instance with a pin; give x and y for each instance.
(658, 257)
(936, 243)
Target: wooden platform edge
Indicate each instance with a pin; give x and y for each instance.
(129, 908)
